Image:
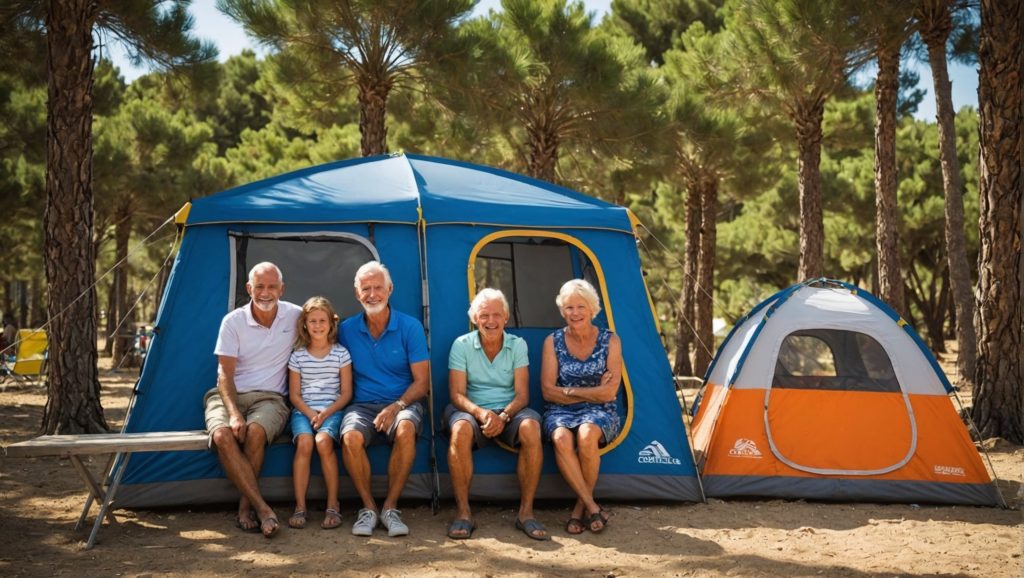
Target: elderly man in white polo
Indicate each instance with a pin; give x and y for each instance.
(247, 410)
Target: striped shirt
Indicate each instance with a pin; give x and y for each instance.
(320, 377)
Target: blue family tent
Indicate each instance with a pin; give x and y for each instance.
(444, 229)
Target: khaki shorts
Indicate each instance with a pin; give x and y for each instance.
(266, 408)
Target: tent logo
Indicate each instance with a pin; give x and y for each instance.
(950, 471)
(744, 448)
(655, 453)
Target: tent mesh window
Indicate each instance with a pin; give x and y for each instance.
(312, 265)
(833, 359)
(530, 271)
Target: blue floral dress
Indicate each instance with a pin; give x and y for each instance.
(573, 372)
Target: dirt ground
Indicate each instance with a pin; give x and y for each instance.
(40, 499)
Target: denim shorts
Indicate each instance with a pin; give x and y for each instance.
(302, 426)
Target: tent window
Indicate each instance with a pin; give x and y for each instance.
(313, 264)
(834, 359)
(530, 271)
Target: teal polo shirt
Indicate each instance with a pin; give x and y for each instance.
(380, 367)
(489, 384)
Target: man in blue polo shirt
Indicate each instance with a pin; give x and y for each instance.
(390, 367)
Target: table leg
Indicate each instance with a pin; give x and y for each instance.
(95, 491)
(108, 499)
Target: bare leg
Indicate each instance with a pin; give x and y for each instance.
(528, 468)
(564, 441)
(460, 464)
(357, 464)
(300, 470)
(329, 465)
(403, 452)
(240, 471)
(588, 451)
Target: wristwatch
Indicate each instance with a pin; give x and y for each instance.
(401, 404)
(505, 417)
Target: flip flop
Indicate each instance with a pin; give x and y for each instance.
(575, 526)
(253, 529)
(274, 526)
(531, 526)
(298, 520)
(601, 517)
(332, 519)
(465, 527)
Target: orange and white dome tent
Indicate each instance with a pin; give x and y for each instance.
(822, 391)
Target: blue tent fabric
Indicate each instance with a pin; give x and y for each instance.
(424, 216)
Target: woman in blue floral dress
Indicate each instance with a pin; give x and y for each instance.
(580, 376)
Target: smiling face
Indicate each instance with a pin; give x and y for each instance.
(576, 312)
(490, 319)
(318, 324)
(373, 292)
(265, 289)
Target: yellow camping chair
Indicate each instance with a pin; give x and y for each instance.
(29, 362)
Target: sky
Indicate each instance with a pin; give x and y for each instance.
(231, 39)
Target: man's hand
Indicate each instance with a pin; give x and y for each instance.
(386, 417)
(492, 425)
(237, 423)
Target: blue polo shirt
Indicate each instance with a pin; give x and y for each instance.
(380, 367)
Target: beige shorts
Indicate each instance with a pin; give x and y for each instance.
(266, 408)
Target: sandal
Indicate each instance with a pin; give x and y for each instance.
(269, 526)
(298, 520)
(575, 526)
(532, 528)
(598, 517)
(332, 519)
(461, 529)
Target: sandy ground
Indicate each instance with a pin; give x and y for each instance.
(40, 499)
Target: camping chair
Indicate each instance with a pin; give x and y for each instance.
(29, 362)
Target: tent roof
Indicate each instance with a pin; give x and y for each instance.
(393, 188)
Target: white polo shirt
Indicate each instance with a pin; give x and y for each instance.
(262, 352)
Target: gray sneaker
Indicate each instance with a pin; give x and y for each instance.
(391, 519)
(366, 521)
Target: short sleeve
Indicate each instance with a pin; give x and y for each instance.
(227, 339)
(520, 354)
(457, 356)
(416, 342)
(293, 361)
(344, 358)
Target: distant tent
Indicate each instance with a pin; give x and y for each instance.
(444, 229)
(822, 391)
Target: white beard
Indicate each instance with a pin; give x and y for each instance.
(265, 307)
(375, 309)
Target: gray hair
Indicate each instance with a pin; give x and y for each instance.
(372, 268)
(485, 295)
(582, 289)
(260, 267)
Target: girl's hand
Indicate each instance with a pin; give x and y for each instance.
(315, 420)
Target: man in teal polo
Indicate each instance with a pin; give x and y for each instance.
(489, 386)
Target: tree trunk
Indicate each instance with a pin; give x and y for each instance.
(125, 338)
(936, 24)
(705, 303)
(890, 274)
(807, 117)
(686, 326)
(111, 324)
(999, 381)
(373, 100)
(73, 396)
(543, 150)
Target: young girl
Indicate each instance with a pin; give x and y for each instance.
(320, 384)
